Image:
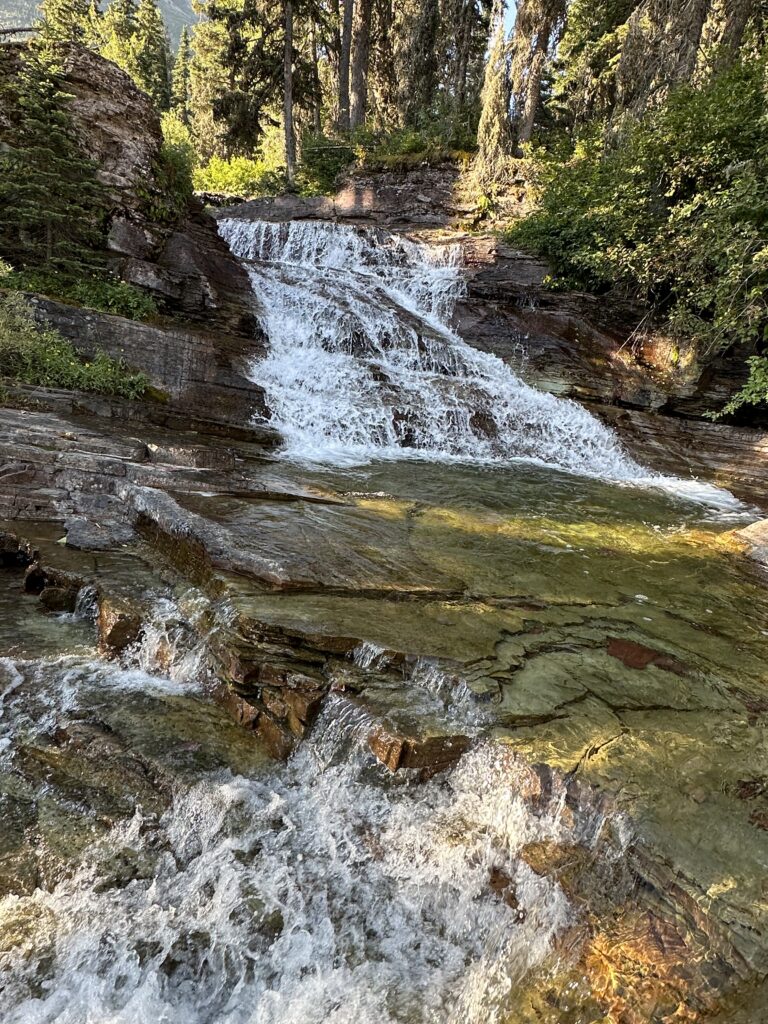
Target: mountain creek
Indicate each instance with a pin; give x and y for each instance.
(418, 696)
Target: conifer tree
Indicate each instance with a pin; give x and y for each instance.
(209, 81)
(494, 136)
(180, 78)
(153, 54)
(420, 84)
(118, 35)
(51, 205)
(65, 20)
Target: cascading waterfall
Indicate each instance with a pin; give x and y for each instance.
(363, 363)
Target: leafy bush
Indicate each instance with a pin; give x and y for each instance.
(674, 211)
(174, 170)
(43, 358)
(322, 160)
(242, 176)
(107, 296)
(754, 392)
(403, 148)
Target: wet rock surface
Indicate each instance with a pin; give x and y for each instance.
(622, 647)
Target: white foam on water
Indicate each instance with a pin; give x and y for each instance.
(320, 893)
(363, 363)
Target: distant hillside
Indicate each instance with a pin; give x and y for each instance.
(177, 13)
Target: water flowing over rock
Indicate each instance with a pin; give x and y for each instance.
(362, 361)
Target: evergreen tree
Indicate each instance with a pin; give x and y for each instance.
(420, 84)
(494, 136)
(209, 80)
(51, 205)
(153, 54)
(180, 78)
(118, 36)
(65, 20)
(538, 27)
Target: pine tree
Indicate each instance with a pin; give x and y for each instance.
(64, 20)
(52, 207)
(209, 80)
(153, 54)
(118, 36)
(420, 84)
(538, 26)
(494, 136)
(180, 78)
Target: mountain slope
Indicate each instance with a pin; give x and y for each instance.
(177, 13)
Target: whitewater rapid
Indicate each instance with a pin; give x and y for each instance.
(363, 363)
(316, 892)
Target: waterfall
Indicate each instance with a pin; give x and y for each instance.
(363, 363)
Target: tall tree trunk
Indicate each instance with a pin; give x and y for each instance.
(290, 136)
(317, 93)
(538, 26)
(344, 57)
(530, 108)
(462, 63)
(361, 51)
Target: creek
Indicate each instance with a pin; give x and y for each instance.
(471, 560)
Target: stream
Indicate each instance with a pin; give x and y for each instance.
(471, 558)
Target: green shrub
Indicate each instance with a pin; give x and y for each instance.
(673, 211)
(754, 392)
(322, 161)
(241, 176)
(404, 148)
(104, 295)
(44, 358)
(173, 172)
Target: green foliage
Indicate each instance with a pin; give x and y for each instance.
(64, 20)
(589, 55)
(403, 148)
(754, 392)
(44, 359)
(153, 54)
(107, 296)
(322, 161)
(173, 172)
(180, 79)
(494, 135)
(52, 207)
(242, 176)
(135, 38)
(675, 211)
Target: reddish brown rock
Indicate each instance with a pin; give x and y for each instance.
(635, 655)
(431, 754)
(119, 625)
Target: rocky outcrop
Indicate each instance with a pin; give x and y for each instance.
(188, 269)
(202, 373)
(118, 126)
(396, 200)
(595, 349)
(179, 260)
